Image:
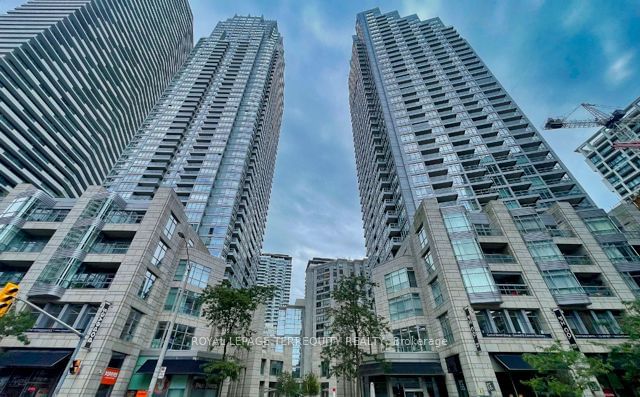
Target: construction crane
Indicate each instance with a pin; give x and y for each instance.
(614, 120)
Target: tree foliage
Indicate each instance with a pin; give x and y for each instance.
(229, 311)
(287, 385)
(355, 328)
(310, 385)
(564, 373)
(627, 355)
(16, 324)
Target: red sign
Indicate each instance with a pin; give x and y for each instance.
(110, 376)
(141, 393)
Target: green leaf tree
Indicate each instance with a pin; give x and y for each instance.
(229, 311)
(564, 373)
(16, 324)
(287, 386)
(627, 355)
(355, 329)
(310, 385)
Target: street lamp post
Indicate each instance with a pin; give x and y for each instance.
(169, 329)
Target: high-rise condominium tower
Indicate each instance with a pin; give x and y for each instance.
(430, 120)
(275, 270)
(78, 78)
(213, 138)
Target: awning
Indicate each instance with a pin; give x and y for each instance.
(513, 362)
(175, 366)
(31, 358)
(402, 368)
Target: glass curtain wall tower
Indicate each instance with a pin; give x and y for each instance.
(78, 78)
(213, 138)
(430, 120)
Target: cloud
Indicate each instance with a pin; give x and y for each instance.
(424, 9)
(620, 69)
(321, 28)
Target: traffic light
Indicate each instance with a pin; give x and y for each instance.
(75, 367)
(7, 297)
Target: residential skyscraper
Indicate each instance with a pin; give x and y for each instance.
(213, 138)
(620, 169)
(275, 270)
(430, 120)
(78, 78)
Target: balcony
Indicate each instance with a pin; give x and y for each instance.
(578, 260)
(120, 247)
(91, 280)
(486, 230)
(47, 215)
(122, 216)
(24, 245)
(593, 284)
(499, 258)
(510, 283)
(597, 290)
(560, 233)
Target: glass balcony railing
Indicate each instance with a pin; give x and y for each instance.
(110, 248)
(561, 233)
(47, 215)
(26, 246)
(578, 259)
(597, 290)
(124, 217)
(499, 258)
(487, 231)
(91, 280)
(567, 290)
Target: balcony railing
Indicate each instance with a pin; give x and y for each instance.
(487, 231)
(110, 248)
(47, 215)
(26, 246)
(561, 233)
(124, 217)
(91, 280)
(567, 290)
(513, 289)
(597, 290)
(548, 258)
(578, 259)
(499, 258)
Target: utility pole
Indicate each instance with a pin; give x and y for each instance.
(169, 330)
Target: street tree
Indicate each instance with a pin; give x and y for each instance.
(15, 323)
(310, 385)
(563, 372)
(287, 385)
(229, 311)
(357, 333)
(626, 356)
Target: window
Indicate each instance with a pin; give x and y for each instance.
(275, 368)
(620, 252)
(529, 223)
(422, 237)
(411, 339)
(428, 261)
(438, 299)
(466, 249)
(562, 282)
(189, 303)
(601, 225)
(198, 274)
(456, 222)
(545, 250)
(447, 333)
(405, 306)
(145, 288)
(509, 322)
(593, 322)
(633, 280)
(325, 369)
(131, 324)
(478, 280)
(159, 253)
(170, 226)
(400, 279)
(180, 338)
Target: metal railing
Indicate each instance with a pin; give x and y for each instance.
(499, 258)
(483, 230)
(47, 215)
(561, 233)
(123, 216)
(578, 259)
(91, 280)
(110, 248)
(26, 246)
(513, 289)
(597, 290)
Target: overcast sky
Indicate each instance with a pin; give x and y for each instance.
(549, 55)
